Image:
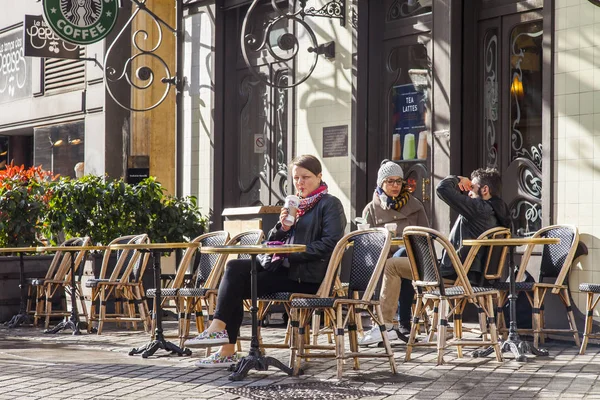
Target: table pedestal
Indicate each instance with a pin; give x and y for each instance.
(513, 344)
(22, 317)
(254, 359)
(159, 342)
(73, 322)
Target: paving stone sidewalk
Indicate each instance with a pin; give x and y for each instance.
(62, 366)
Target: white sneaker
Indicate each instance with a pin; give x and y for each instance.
(209, 339)
(374, 337)
(216, 360)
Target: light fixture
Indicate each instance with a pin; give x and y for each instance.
(516, 88)
(5, 152)
(75, 141)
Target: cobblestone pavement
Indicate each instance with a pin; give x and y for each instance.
(62, 366)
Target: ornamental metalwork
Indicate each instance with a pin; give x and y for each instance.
(408, 8)
(281, 115)
(525, 149)
(490, 115)
(137, 71)
(274, 38)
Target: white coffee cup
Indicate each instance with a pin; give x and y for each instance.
(392, 226)
(291, 204)
(362, 227)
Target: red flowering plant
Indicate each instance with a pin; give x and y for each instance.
(24, 195)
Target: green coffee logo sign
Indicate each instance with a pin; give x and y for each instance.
(81, 21)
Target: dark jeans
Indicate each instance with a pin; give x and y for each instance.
(407, 294)
(235, 287)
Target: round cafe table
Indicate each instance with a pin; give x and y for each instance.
(513, 344)
(159, 341)
(22, 317)
(73, 321)
(255, 359)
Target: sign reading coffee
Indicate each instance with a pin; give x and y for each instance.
(15, 71)
(42, 41)
(81, 21)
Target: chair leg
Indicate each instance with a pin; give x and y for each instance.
(48, 307)
(293, 325)
(442, 329)
(316, 326)
(102, 309)
(492, 325)
(352, 336)
(458, 332)
(536, 317)
(339, 346)
(500, 314)
(414, 327)
(435, 320)
(386, 340)
(572, 323)
(589, 320)
(299, 340)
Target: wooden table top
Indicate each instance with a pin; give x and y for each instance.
(70, 248)
(18, 249)
(254, 249)
(510, 241)
(154, 246)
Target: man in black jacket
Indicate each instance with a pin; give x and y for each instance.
(481, 210)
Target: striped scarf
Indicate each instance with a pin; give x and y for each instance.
(393, 203)
(307, 203)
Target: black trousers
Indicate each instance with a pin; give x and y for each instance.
(235, 287)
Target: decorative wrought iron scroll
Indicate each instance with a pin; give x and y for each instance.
(407, 8)
(275, 38)
(490, 116)
(144, 77)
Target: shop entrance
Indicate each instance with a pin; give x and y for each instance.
(509, 126)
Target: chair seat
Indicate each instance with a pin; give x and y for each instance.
(589, 287)
(167, 292)
(193, 292)
(93, 283)
(36, 281)
(277, 296)
(518, 285)
(313, 302)
(460, 291)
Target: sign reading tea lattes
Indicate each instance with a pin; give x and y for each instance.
(15, 70)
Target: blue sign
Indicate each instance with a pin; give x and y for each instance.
(409, 138)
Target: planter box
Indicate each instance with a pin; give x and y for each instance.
(10, 293)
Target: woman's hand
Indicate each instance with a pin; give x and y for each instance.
(282, 216)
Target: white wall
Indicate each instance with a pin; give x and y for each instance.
(577, 131)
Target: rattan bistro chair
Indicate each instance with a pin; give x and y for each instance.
(420, 246)
(58, 280)
(205, 293)
(124, 283)
(592, 291)
(371, 248)
(556, 261)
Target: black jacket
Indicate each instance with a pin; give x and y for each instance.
(319, 229)
(475, 217)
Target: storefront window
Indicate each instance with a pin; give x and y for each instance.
(526, 123)
(3, 151)
(400, 9)
(410, 110)
(59, 148)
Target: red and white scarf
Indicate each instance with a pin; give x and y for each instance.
(307, 203)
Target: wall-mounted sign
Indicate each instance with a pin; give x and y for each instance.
(335, 141)
(42, 41)
(409, 138)
(81, 21)
(15, 70)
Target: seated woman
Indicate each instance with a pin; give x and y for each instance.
(393, 203)
(320, 223)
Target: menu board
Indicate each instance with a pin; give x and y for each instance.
(409, 137)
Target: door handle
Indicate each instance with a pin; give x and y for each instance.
(424, 196)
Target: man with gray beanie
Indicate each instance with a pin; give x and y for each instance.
(394, 204)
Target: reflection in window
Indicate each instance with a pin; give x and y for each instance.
(408, 8)
(59, 148)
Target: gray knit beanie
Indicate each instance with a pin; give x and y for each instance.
(387, 169)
